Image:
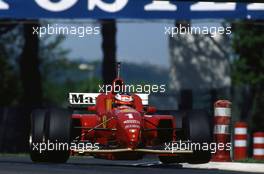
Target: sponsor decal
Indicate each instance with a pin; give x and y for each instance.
(131, 122)
(82, 98)
(127, 110)
(90, 98)
(132, 126)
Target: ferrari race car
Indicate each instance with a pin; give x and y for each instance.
(118, 126)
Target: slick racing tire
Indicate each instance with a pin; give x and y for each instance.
(37, 135)
(197, 125)
(58, 126)
(179, 134)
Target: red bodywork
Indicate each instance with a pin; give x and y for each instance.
(123, 128)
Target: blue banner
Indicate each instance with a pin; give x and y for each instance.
(132, 9)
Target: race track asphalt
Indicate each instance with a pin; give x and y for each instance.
(10, 164)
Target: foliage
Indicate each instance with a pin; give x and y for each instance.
(57, 94)
(248, 67)
(60, 73)
(248, 44)
(10, 86)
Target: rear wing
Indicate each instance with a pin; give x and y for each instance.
(80, 99)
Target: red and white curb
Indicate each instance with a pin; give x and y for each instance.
(230, 166)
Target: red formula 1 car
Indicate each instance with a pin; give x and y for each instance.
(117, 126)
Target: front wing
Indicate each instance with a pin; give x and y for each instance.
(146, 151)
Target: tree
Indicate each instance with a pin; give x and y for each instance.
(248, 67)
(109, 50)
(9, 79)
(29, 67)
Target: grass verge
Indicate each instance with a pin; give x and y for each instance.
(250, 160)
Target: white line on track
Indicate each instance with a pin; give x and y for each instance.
(230, 166)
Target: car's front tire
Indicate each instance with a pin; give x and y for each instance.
(58, 126)
(37, 135)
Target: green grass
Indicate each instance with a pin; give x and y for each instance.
(13, 154)
(250, 160)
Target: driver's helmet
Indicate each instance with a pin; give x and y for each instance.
(123, 99)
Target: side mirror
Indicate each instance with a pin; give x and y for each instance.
(151, 109)
(91, 108)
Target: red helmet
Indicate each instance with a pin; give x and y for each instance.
(123, 99)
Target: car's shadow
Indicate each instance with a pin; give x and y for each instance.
(92, 163)
(95, 163)
(102, 163)
(135, 165)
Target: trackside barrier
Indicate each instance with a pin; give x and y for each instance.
(258, 145)
(240, 141)
(222, 119)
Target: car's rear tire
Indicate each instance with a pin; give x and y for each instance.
(58, 126)
(179, 134)
(37, 135)
(197, 125)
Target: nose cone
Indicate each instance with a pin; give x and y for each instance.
(129, 124)
(133, 137)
